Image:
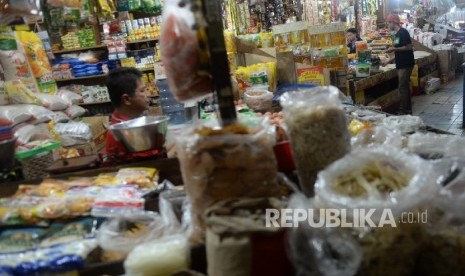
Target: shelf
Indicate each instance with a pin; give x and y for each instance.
(143, 41)
(83, 78)
(107, 102)
(80, 49)
(146, 69)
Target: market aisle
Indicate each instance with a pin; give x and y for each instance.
(444, 109)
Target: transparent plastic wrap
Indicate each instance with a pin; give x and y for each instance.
(368, 115)
(224, 163)
(15, 114)
(321, 251)
(377, 178)
(53, 102)
(433, 146)
(258, 99)
(73, 133)
(113, 201)
(183, 50)
(317, 128)
(40, 114)
(444, 239)
(405, 123)
(378, 135)
(380, 180)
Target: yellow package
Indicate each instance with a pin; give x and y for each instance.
(20, 94)
(356, 126)
(142, 177)
(38, 61)
(105, 179)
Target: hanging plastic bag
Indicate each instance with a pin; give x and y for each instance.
(52, 102)
(317, 127)
(15, 114)
(184, 59)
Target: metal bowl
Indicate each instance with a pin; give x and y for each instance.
(141, 134)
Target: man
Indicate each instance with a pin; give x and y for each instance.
(403, 56)
(129, 98)
(352, 37)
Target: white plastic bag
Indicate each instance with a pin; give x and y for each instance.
(40, 114)
(436, 146)
(376, 136)
(25, 133)
(404, 123)
(258, 100)
(15, 114)
(432, 85)
(61, 117)
(53, 102)
(73, 133)
(75, 111)
(69, 96)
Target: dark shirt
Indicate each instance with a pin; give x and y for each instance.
(404, 59)
(351, 45)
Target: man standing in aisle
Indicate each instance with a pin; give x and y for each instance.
(404, 59)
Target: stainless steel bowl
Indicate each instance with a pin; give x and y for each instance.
(141, 134)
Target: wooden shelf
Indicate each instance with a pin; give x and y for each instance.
(83, 78)
(143, 41)
(80, 49)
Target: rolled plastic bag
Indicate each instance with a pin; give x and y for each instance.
(317, 128)
(220, 164)
(385, 182)
(184, 59)
(321, 251)
(444, 237)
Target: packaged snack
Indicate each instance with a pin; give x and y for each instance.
(184, 53)
(59, 233)
(79, 199)
(105, 179)
(307, 115)
(141, 177)
(52, 102)
(115, 200)
(18, 240)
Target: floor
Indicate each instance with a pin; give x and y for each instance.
(444, 109)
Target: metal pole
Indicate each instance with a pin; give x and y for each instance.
(463, 93)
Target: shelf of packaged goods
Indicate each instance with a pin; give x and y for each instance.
(108, 102)
(96, 47)
(82, 78)
(142, 41)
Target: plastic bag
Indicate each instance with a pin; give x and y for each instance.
(69, 96)
(40, 114)
(115, 200)
(52, 102)
(159, 258)
(321, 251)
(436, 146)
(405, 123)
(75, 111)
(20, 94)
(219, 164)
(257, 74)
(26, 133)
(15, 114)
(378, 135)
(141, 177)
(432, 85)
(404, 181)
(61, 117)
(317, 127)
(258, 100)
(184, 59)
(444, 238)
(73, 133)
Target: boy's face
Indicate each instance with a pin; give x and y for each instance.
(139, 101)
(350, 37)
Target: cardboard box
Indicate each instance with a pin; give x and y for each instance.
(99, 126)
(85, 149)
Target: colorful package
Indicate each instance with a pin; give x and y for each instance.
(19, 93)
(115, 200)
(79, 200)
(142, 177)
(105, 179)
(59, 233)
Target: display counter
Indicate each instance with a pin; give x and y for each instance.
(381, 89)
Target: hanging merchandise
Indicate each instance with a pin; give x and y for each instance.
(10, 9)
(76, 4)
